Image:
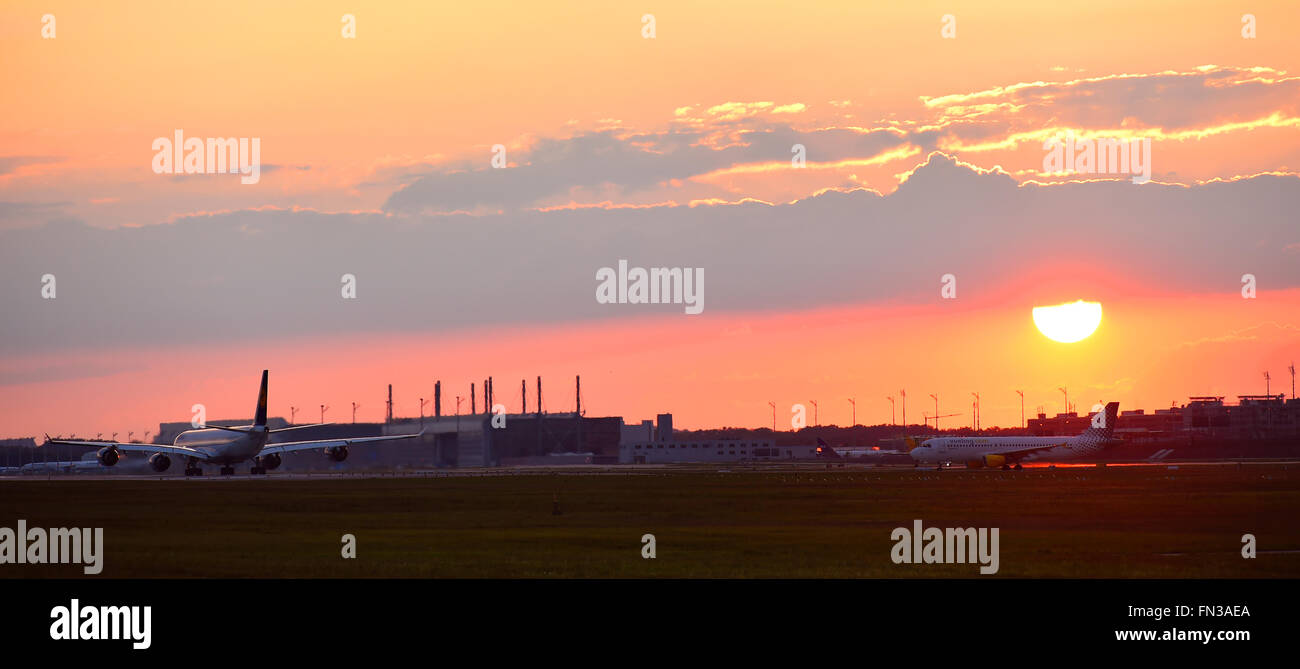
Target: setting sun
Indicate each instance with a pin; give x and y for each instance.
(1069, 322)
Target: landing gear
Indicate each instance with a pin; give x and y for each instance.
(1006, 467)
(1019, 467)
(227, 471)
(257, 471)
(193, 471)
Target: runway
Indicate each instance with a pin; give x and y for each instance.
(1030, 469)
(1180, 520)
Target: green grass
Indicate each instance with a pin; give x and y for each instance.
(1084, 522)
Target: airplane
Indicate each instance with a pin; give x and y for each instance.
(824, 450)
(1009, 452)
(88, 464)
(228, 446)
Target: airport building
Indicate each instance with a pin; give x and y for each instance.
(665, 448)
(1253, 416)
(480, 440)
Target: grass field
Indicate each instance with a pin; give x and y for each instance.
(1116, 522)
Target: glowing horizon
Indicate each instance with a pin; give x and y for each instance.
(825, 168)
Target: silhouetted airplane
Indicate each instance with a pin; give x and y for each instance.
(228, 446)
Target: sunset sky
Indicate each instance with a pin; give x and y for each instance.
(924, 157)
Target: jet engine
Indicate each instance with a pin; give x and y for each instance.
(987, 461)
(108, 456)
(160, 462)
(270, 461)
(337, 453)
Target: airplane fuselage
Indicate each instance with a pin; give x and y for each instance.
(222, 446)
(966, 449)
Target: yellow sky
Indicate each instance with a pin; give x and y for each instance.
(440, 79)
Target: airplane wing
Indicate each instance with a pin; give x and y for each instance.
(292, 446)
(136, 448)
(1014, 456)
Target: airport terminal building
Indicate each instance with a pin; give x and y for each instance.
(1252, 417)
(661, 447)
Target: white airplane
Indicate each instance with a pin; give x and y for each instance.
(228, 446)
(825, 450)
(1009, 452)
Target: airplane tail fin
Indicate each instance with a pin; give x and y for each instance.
(259, 419)
(1103, 424)
(824, 449)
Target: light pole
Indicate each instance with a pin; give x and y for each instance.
(814, 403)
(323, 409)
(855, 411)
(773, 405)
(891, 410)
(1022, 408)
(293, 411)
(1067, 398)
(975, 417)
(355, 406)
(903, 393)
